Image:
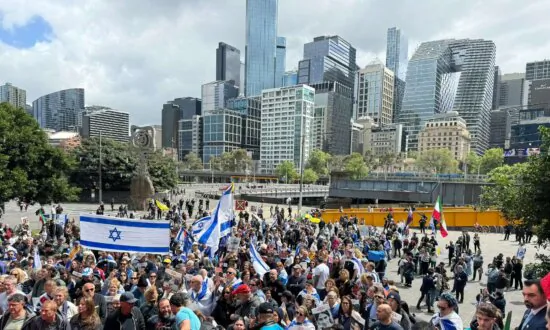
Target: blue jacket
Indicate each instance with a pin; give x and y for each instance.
(536, 323)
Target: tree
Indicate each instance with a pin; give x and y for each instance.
(216, 163)
(355, 166)
(192, 162)
(337, 164)
(236, 161)
(473, 163)
(370, 160)
(162, 171)
(491, 159)
(310, 176)
(30, 168)
(437, 161)
(286, 171)
(387, 160)
(318, 162)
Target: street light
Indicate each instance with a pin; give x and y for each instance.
(100, 180)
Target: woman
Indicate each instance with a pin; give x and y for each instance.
(113, 305)
(114, 288)
(238, 325)
(66, 308)
(344, 285)
(124, 281)
(150, 307)
(87, 318)
(301, 321)
(344, 314)
(280, 317)
(330, 284)
(224, 308)
(20, 275)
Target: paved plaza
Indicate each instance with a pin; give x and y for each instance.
(491, 245)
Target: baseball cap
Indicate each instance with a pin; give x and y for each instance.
(243, 288)
(167, 261)
(265, 308)
(395, 296)
(128, 297)
(87, 272)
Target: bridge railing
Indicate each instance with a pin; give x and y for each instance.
(415, 176)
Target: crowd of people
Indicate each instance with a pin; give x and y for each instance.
(318, 276)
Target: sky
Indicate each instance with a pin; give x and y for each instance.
(136, 55)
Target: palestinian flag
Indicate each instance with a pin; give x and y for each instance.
(437, 214)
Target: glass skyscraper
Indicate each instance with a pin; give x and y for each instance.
(228, 63)
(261, 44)
(280, 61)
(449, 75)
(397, 52)
(216, 93)
(59, 110)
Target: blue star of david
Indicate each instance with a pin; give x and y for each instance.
(114, 234)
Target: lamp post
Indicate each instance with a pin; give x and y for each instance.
(100, 174)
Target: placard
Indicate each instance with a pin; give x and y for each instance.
(233, 244)
(174, 274)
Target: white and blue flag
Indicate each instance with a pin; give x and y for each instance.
(257, 262)
(124, 235)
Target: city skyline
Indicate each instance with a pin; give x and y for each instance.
(137, 66)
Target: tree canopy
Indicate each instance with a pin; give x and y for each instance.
(310, 176)
(318, 162)
(286, 171)
(235, 161)
(355, 166)
(192, 162)
(437, 161)
(30, 168)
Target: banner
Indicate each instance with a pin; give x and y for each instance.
(124, 235)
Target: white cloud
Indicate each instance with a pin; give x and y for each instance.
(135, 55)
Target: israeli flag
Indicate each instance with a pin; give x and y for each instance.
(257, 262)
(62, 220)
(124, 235)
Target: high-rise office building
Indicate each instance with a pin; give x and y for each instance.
(13, 95)
(501, 124)
(537, 70)
(228, 64)
(250, 109)
(496, 88)
(513, 90)
(328, 58)
(261, 45)
(375, 92)
(109, 123)
(216, 93)
(331, 117)
(397, 52)
(290, 78)
(183, 108)
(59, 110)
(280, 62)
(447, 75)
(446, 131)
(190, 136)
(287, 114)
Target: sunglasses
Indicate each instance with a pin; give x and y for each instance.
(379, 297)
(134, 278)
(88, 290)
(441, 307)
(300, 314)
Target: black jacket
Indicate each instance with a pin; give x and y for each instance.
(157, 323)
(28, 318)
(112, 322)
(36, 323)
(296, 284)
(428, 284)
(76, 325)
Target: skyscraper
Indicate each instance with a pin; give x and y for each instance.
(447, 75)
(261, 44)
(182, 108)
(375, 92)
(496, 88)
(513, 90)
(13, 95)
(537, 73)
(280, 61)
(59, 110)
(111, 124)
(228, 64)
(216, 93)
(328, 58)
(397, 54)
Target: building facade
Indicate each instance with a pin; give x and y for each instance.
(290, 78)
(228, 64)
(59, 110)
(447, 75)
(380, 140)
(537, 70)
(331, 117)
(222, 132)
(190, 134)
(287, 115)
(280, 62)
(540, 92)
(525, 138)
(182, 108)
(13, 95)
(250, 110)
(110, 124)
(501, 124)
(375, 92)
(513, 90)
(261, 45)
(216, 93)
(496, 88)
(328, 58)
(446, 131)
(397, 52)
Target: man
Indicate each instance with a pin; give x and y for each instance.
(447, 318)
(535, 301)
(332, 299)
(478, 265)
(492, 277)
(164, 319)
(274, 284)
(201, 297)
(486, 317)
(128, 316)
(49, 318)
(49, 293)
(296, 281)
(245, 304)
(320, 274)
(265, 318)
(257, 293)
(88, 290)
(427, 290)
(231, 279)
(16, 316)
(185, 318)
(10, 288)
(384, 319)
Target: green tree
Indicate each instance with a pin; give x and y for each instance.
(387, 160)
(437, 161)
(318, 162)
(491, 159)
(473, 163)
(162, 171)
(216, 163)
(286, 171)
(370, 160)
(30, 168)
(355, 166)
(192, 162)
(337, 163)
(310, 176)
(236, 161)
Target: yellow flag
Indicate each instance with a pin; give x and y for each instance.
(161, 206)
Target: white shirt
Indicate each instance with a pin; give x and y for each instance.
(323, 272)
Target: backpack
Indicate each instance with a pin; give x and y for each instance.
(478, 262)
(493, 276)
